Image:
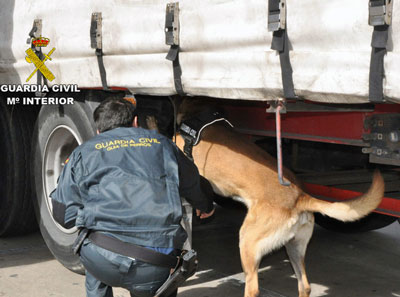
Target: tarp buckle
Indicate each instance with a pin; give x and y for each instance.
(277, 18)
(96, 31)
(380, 12)
(172, 24)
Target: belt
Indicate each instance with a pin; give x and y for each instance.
(132, 250)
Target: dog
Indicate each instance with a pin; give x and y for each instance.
(277, 215)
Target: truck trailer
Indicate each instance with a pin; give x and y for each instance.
(323, 76)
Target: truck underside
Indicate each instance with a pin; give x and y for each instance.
(332, 151)
(194, 48)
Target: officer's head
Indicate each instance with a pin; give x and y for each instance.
(114, 112)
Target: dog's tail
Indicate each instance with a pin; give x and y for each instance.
(350, 210)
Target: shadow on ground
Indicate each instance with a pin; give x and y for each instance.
(23, 250)
(353, 265)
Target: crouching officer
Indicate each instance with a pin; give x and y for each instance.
(124, 187)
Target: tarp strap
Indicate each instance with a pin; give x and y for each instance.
(102, 69)
(173, 55)
(172, 39)
(280, 43)
(380, 37)
(96, 43)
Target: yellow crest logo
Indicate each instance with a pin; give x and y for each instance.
(32, 57)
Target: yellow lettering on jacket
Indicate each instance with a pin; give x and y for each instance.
(110, 148)
(148, 140)
(118, 143)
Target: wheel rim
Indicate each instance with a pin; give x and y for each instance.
(59, 145)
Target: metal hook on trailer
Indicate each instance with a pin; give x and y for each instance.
(279, 107)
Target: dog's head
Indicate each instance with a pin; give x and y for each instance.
(188, 106)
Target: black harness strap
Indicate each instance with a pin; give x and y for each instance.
(280, 43)
(191, 129)
(188, 147)
(131, 250)
(379, 45)
(96, 43)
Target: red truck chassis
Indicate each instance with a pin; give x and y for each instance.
(375, 128)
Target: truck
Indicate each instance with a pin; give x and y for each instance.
(315, 83)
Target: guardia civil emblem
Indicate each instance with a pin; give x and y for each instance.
(33, 57)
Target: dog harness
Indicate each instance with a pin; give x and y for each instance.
(191, 129)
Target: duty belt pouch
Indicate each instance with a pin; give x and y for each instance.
(83, 233)
(186, 268)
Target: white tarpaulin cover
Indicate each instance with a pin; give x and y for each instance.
(225, 47)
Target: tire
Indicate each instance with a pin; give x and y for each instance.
(17, 216)
(371, 222)
(59, 129)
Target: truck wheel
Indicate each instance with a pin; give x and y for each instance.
(371, 222)
(16, 207)
(59, 129)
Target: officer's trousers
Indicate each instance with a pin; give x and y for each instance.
(105, 269)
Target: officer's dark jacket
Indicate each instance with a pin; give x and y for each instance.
(126, 181)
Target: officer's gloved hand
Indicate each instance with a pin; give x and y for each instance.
(203, 217)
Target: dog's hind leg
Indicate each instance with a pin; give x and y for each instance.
(259, 235)
(250, 264)
(296, 249)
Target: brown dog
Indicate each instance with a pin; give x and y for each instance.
(277, 215)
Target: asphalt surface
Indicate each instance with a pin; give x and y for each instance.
(345, 265)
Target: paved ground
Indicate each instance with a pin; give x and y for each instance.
(357, 265)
